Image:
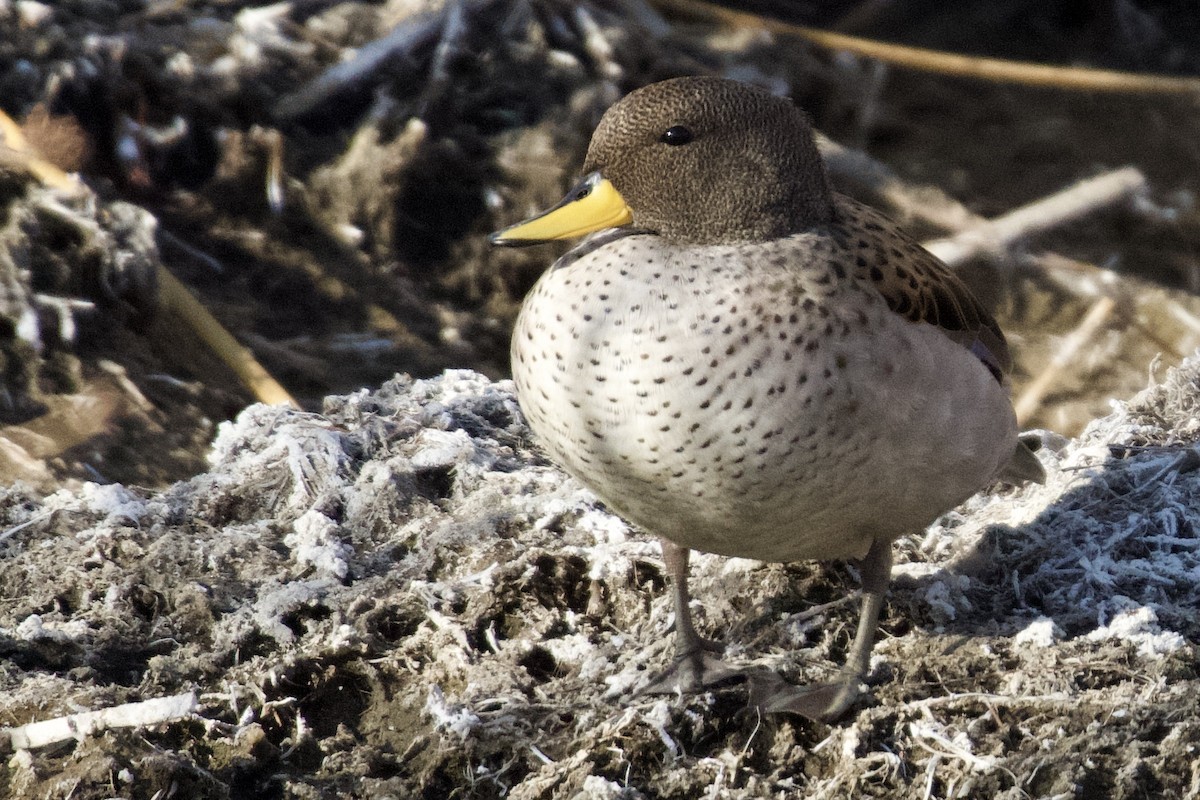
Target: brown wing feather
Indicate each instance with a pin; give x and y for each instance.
(916, 284)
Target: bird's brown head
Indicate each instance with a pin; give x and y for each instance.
(709, 160)
(696, 160)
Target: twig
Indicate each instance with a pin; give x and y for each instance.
(645, 16)
(1087, 280)
(1080, 278)
(178, 299)
(453, 32)
(5, 535)
(127, 386)
(1095, 319)
(78, 726)
(1052, 701)
(925, 203)
(597, 45)
(816, 611)
(873, 80)
(378, 318)
(168, 239)
(807, 614)
(1068, 204)
(996, 70)
(947, 748)
(17, 150)
(346, 76)
(272, 140)
(1184, 316)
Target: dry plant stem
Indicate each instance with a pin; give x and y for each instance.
(1185, 317)
(177, 299)
(1087, 280)
(14, 530)
(272, 140)
(454, 30)
(1076, 201)
(1080, 278)
(77, 726)
(16, 149)
(983, 698)
(127, 386)
(597, 46)
(1095, 319)
(924, 203)
(168, 239)
(401, 41)
(995, 70)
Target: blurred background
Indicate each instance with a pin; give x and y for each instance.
(296, 195)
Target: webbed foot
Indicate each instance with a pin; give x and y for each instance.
(692, 672)
(823, 702)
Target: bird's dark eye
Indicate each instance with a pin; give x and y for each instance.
(677, 135)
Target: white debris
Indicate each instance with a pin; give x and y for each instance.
(1042, 632)
(314, 541)
(1139, 625)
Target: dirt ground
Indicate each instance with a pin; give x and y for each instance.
(391, 593)
(399, 598)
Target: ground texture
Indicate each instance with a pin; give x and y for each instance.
(399, 598)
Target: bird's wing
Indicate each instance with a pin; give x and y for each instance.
(916, 284)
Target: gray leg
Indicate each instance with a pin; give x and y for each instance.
(687, 641)
(829, 701)
(876, 575)
(693, 668)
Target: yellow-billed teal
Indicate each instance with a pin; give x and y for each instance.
(748, 363)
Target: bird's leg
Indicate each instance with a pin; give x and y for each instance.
(693, 668)
(829, 701)
(876, 575)
(687, 641)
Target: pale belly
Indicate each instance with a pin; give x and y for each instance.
(757, 415)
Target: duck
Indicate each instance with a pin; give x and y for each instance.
(740, 360)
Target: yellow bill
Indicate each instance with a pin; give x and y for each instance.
(591, 205)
